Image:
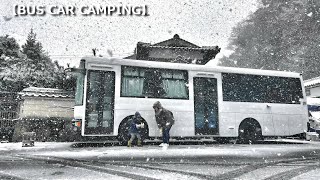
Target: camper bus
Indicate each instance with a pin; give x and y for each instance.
(221, 103)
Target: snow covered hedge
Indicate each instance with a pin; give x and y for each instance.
(51, 129)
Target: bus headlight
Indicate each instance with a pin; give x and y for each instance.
(76, 124)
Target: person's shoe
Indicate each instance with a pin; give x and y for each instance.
(161, 145)
(129, 144)
(139, 144)
(165, 146)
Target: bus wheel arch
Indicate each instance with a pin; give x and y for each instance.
(249, 131)
(123, 130)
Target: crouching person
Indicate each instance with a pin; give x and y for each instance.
(135, 124)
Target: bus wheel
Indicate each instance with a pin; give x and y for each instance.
(249, 132)
(123, 132)
(222, 140)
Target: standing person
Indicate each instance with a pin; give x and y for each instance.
(165, 120)
(135, 123)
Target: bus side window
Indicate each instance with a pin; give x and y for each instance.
(272, 95)
(153, 86)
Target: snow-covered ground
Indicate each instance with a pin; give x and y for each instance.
(57, 149)
(18, 157)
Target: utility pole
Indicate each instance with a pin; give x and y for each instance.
(94, 51)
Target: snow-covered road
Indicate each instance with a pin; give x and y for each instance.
(212, 161)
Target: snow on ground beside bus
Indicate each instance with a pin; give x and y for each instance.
(38, 146)
(65, 150)
(50, 160)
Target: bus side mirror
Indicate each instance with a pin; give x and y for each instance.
(302, 101)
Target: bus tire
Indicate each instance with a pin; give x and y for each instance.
(222, 140)
(123, 132)
(249, 132)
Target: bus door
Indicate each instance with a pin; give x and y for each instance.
(205, 106)
(100, 103)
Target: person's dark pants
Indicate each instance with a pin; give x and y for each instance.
(166, 134)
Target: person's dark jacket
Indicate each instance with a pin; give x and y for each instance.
(164, 117)
(134, 122)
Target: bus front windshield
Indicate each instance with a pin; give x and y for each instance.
(79, 89)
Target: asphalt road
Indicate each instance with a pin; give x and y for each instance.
(180, 161)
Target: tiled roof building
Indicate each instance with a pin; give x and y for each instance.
(45, 92)
(312, 87)
(175, 50)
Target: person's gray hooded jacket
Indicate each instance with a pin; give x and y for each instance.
(164, 117)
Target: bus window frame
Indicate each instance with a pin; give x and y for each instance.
(101, 129)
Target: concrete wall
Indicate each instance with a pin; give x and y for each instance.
(44, 107)
(315, 92)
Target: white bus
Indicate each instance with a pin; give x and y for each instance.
(217, 102)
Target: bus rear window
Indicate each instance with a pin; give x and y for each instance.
(258, 88)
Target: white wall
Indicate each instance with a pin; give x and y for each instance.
(315, 92)
(46, 107)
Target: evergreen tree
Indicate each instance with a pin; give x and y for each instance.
(31, 67)
(41, 69)
(9, 50)
(33, 49)
(62, 79)
(281, 35)
(10, 56)
(8, 47)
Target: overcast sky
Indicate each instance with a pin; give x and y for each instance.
(68, 38)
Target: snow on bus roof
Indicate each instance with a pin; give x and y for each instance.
(193, 67)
